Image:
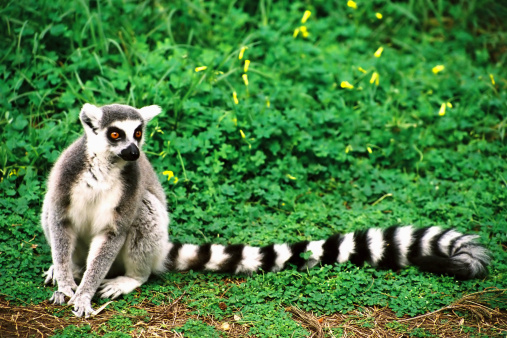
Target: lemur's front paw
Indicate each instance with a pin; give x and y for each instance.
(57, 298)
(64, 290)
(82, 305)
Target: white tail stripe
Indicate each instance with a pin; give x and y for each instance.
(317, 251)
(463, 240)
(346, 248)
(445, 240)
(404, 240)
(283, 254)
(186, 254)
(218, 257)
(250, 260)
(426, 240)
(375, 244)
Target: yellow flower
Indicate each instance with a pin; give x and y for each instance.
(169, 175)
(268, 104)
(379, 52)
(198, 69)
(374, 78)
(290, 176)
(296, 32)
(352, 4)
(379, 15)
(348, 148)
(306, 16)
(441, 112)
(304, 31)
(492, 79)
(361, 70)
(449, 105)
(241, 52)
(242, 133)
(247, 63)
(235, 97)
(437, 69)
(346, 84)
(245, 79)
(369, 150)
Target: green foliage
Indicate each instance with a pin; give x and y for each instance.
(315, 158)
(117, 326)
(196, 328)
(72, 331)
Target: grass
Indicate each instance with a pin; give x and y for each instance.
(312, 146)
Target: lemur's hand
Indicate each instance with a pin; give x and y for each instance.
(65, 288)
(82, 305)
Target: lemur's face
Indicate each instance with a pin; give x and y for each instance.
(116, 130)
(124, 138)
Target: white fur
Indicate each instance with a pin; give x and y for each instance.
(129, 126)
(159, 260)
(347, 248)
(95, 246)
(446, 239)
(317, 251)
(404, 239)
(463, 240)
(250, 261)
(113, 288)
(426, 240)
(93, 201)
(93, 112)
(375, 244)
(186, 254)
(283, 254)
(97, 144)
(149, 112)
(218, 257)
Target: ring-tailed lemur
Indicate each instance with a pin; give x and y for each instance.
(104, 215)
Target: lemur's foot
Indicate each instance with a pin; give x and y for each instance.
(113, 288)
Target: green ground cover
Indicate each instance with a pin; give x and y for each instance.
(343, 124)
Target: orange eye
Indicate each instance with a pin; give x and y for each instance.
(138, 134)
(114, 135)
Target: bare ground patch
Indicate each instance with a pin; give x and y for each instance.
(467, 317)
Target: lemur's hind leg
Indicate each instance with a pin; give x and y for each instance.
(145, 249)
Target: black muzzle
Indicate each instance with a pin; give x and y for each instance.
(131, 153)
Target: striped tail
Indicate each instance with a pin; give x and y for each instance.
(431, 249)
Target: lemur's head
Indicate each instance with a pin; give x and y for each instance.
(116, 130)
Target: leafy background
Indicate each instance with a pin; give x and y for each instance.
(316, 158)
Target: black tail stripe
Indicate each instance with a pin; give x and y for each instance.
(173, 256)
(297, 249)
(452, 245)
(331, 249)
(361, 250)
(415, 250)
(235, 253)
(268, 257)
(391, 256)
(435, 244)
(203, 257)
(483, 263)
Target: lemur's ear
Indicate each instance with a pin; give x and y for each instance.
(150, 112)
(90, 116)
